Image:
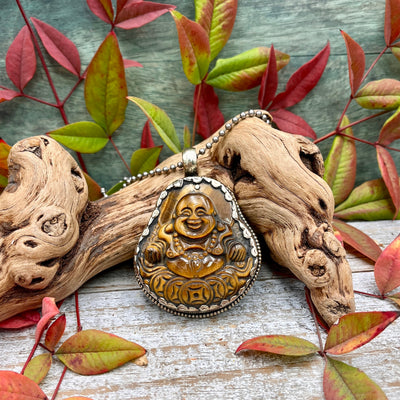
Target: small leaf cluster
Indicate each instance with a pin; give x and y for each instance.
(88, 352)
(341, 381)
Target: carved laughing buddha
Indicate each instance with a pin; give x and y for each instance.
(196, 243)
(192, 260)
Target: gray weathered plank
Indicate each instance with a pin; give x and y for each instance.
(194, 359)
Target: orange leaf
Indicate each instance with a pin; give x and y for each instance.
(279, 344)
(389, 175)
(14, 386)
(49, 310)
(55, 332)
(358, 240)
(94, 352)
(93, 187)
(387, 267)
(356, 62)
(195, 48)
(356, 329)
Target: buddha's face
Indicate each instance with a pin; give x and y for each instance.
(195, 216)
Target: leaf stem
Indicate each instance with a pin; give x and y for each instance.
(59, 383)
(376, 296)
(374, 63)
(195, 116)
(78, 317)
(59, 104)
(119, 154)
(39, 100)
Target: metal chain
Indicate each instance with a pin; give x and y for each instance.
(263, 115)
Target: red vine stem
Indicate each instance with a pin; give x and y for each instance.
(195, 116)
(59, 383)
(376, 296)
(60, 105)
(31, 354)
(119, 154)
(78, 317)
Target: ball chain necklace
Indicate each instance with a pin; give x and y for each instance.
(197, 255)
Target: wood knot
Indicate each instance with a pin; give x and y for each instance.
(55, 226)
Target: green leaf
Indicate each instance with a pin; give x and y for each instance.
(279, 344)
(117, 187)
(245, 70)
(217, 17)
(83, 136)
(144, 160)
(356, 329)
(340, 165)
(92, 352)
(396, 298)
(357, 239)
(370, 201)
(105, 86)
(382, 94)
(391, 129)
(161, 123)
(187, 137)
(195, 48)
(14, 386)
(38, 367)
(344, 382)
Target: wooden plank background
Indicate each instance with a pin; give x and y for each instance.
(194, 359)
(299, 28)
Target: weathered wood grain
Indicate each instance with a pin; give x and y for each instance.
(300, 28)
(194, 359)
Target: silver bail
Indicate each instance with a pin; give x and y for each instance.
(189, 159)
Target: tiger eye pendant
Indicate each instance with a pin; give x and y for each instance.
(197, 256)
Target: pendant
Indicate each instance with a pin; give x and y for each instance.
(197, 256)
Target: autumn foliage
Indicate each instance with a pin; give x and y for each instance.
(200, 42)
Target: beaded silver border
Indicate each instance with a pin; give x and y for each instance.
(247, 232)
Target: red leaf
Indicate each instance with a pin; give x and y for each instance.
(49, 310)
(14, 386)
(102, 9)
(302, 81)
(356, 62)
(314, 311)
(209, 116)
(292, 123)
(21, 59)
(8, 94)
(131, 63)
(392, 21)
(269, 82)
(59, 46)
(358, 240)
(55, 332)
(135, 14)
(389, 175)
(23, 320)
(356, 329)
(147, 140)
(387, 267)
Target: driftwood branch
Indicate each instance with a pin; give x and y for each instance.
(52, 240)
